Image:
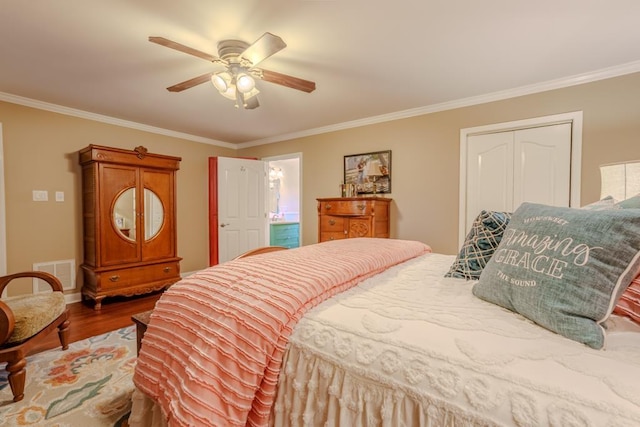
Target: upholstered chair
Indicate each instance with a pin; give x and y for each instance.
(25, 320)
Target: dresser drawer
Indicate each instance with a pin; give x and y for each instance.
(337, 235)
(332, 223)
(287, 235)
(345, 207)
(285, 229)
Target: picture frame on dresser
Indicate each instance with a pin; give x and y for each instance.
(370, 172)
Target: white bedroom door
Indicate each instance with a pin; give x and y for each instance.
(504, 169)
(242, 212)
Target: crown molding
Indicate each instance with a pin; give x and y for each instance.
(605, 73)
(28, 102)
(602, 74)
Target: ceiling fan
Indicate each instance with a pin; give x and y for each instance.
(239, 59)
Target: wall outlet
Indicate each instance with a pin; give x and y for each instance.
(40, 195)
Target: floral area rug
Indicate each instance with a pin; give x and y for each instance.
(90, 384)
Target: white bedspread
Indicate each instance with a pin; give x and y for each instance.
(411, 348)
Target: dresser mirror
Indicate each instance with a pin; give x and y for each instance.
(124, 214)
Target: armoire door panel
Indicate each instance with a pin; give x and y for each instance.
(156, 245)
(116, 248)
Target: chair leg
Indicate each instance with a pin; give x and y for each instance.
(63, 334)
(17, 377)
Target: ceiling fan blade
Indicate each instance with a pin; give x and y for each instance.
(288, 81)
(190, 83)
(185, 49)
(264, 47)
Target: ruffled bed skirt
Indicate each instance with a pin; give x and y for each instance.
(145, 412)
(315, 392)
(312, 392)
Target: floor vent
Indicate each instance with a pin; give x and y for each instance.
(64, 270)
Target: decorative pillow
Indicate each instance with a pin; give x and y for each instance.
(630, 203)
(564, 268)
(605, 203)
(478, 247)
(629, 303)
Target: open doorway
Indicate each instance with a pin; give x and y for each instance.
(283, 199)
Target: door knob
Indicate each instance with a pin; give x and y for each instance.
(224, 225)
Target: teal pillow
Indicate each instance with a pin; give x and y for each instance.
(480, 243)
(630, 203)
(564, 268)
(604, 203)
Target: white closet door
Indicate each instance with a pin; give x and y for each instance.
(542, 159)
(507, 168)
(489, 174)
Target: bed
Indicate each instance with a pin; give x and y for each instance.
(383, 332)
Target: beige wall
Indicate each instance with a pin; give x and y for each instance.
(40, 153)
(425, 153)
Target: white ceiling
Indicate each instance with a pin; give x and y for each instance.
(369, 58)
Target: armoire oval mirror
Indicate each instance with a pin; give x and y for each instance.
(124, 214)
(153, 214)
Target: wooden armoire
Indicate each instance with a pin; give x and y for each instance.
(129, 222)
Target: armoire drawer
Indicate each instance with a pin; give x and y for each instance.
(132, 276)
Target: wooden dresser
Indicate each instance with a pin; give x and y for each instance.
(344, 218)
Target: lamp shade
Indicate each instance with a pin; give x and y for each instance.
(620, 180)
(373, 168)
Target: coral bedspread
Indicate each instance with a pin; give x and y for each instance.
(214, 346)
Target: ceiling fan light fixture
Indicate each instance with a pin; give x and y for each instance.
(243, 98)
(245, 83)
(221, 81)
(240, 59)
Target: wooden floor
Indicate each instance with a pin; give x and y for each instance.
(115, 314)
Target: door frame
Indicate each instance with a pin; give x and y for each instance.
(289, 156)
(3, 216)
(574, 117)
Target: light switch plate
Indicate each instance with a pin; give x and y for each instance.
(59, 196)
(40, 195)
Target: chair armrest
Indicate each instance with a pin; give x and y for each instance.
(7, 322)
(47, 277)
